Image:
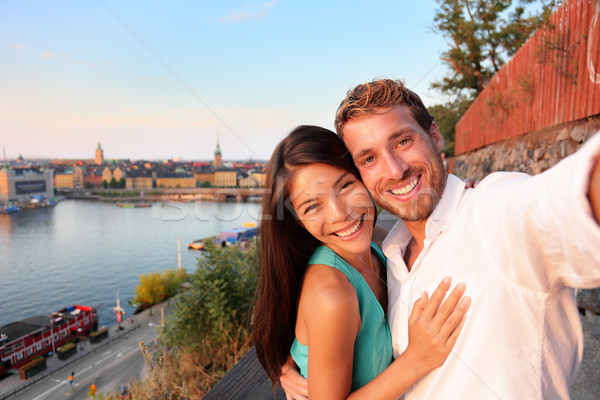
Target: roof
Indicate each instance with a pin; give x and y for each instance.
(16, 330)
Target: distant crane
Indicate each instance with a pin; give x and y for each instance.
(119, 311)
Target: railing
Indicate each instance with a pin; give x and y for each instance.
(553, 79)
(63, 365)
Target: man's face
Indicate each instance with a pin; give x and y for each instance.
(399, 162)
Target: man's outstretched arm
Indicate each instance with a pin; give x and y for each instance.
(594, 190)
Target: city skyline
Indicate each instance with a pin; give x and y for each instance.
(156, 81)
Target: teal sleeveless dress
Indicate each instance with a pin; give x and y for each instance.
(373, 344)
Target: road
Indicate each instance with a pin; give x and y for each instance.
(117, 363)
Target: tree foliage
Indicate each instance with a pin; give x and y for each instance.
(155, 287)
(482, 35)
(210, 328)
(446, 116)
(220, 297)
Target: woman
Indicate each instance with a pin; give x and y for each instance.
(322, 292)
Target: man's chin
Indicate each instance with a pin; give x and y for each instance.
(414, 211)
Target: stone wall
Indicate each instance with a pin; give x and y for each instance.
(531, 153)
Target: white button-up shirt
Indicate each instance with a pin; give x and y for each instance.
(521, 244)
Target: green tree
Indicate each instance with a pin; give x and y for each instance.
(104, 184)
(446, 116)
(113, 183)
(482, 35)
(121, 183)
(151, 290)
(220, 298)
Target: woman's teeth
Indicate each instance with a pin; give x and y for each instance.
(351, 230)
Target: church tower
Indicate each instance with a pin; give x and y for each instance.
(218, 162)
(99, 159)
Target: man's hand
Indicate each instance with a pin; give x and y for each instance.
(470, 183)
(294, 384)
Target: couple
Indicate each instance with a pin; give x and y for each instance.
(519, 243)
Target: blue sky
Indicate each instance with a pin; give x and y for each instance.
(157, 79)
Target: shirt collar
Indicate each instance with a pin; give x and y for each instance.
(399, 236)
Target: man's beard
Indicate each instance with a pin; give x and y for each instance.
(420, 207)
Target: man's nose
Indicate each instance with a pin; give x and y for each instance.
(394, 166)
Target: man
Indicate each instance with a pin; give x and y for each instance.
(520, 243)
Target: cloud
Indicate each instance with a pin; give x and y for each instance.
(258, 12)
(49, 55)
(18, 46)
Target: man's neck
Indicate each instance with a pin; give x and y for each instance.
(417, 230)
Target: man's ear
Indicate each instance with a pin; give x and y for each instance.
(437, 137)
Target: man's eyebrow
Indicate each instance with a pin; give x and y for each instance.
(361, 154)
(392, 137)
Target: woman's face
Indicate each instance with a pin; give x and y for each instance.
(334, 206)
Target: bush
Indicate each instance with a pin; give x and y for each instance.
(211, 325)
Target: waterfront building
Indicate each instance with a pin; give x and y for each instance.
(261, 178)
(107, 174)
(118, 173)
(78, 177)
(64, 180)
(18, 185)
(226, 177)
(99, 159)
(248, 182)
(93, 178)
(176, 182)
(203, 176)
(139, 180)
(218, 161)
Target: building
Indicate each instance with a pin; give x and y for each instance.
(176, 182)
(107, 174)
(78, 177)
(260, 177)
(204, 176)
(248, 182)
(226, 177)
(64, 180)
(139, 180)
(19, 185)
(93, 178)
(99, 159)
(118, 174)
(218, 162)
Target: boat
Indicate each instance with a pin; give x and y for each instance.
(133, 205)
(22, 341)
(227, 237)
(10, 210)
(199, 244)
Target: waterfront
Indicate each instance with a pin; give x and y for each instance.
(81, 252)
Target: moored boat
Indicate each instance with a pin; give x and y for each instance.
(21, 341)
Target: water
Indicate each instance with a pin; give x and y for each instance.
(81, 252)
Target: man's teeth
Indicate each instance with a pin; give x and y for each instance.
(351, 230)
(406, 189)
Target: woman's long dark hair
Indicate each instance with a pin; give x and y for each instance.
(285, 245)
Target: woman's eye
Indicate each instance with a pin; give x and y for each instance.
(346, 184)
(310, 208)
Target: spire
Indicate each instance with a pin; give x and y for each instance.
(218, 149)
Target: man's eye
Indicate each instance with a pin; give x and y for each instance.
(403, 142)
(368, 160)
